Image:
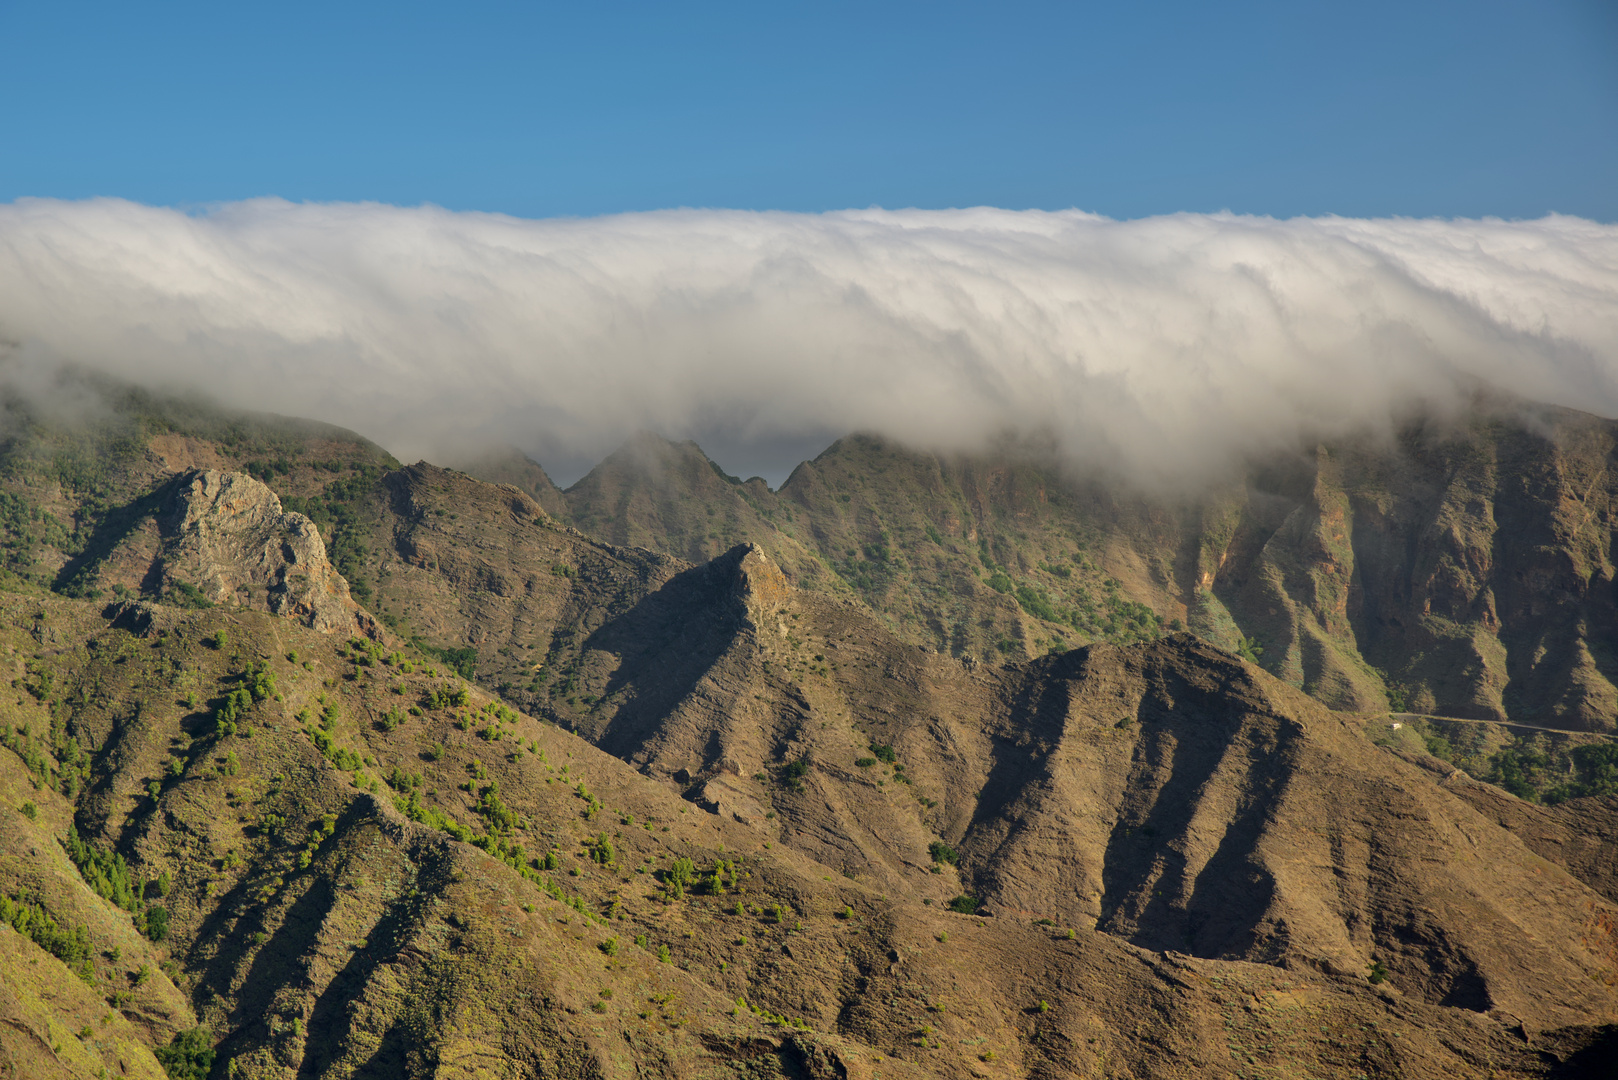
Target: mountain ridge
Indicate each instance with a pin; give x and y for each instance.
(1405, 574)
(578, 807)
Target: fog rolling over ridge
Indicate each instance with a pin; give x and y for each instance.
(1166, 348)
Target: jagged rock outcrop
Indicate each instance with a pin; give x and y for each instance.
(226, 535)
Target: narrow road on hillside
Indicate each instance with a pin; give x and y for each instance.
(1502, 723)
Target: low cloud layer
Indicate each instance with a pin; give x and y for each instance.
(1169, 348)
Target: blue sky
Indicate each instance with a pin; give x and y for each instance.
(1448, 109)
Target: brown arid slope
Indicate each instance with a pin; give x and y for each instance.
(1579, 835)
(1464, 567)
(370, 869)
(82, 494)
(465, 565)
(1167, 793)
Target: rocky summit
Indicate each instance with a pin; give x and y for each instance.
(320, 765)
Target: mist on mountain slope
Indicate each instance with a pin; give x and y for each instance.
(1166, 349)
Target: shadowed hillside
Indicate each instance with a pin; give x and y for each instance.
(262, 813)
(367, 869)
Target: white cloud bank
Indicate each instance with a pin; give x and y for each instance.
(1169, 346)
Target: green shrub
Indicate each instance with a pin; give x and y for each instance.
(189, 1056)
(499, 816)
(942, 852)
(1036, 604)
(794, 773)
(184, 594)
(679, 876)
(260, 681)
(447, 696)
(1596, 771)
(965, 904)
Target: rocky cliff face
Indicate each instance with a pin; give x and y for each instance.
(226, 534)
(1468, 569)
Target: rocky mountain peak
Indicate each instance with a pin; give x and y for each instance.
(760, 583)
(227, 536)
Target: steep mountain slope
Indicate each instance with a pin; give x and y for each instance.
(99, 509)
(464, 565)
(516, 469)
(86, 477)
(996, 556)
(1168, 794)
(671, 497)
(1462, 568)
(350, 889)
(737, 825)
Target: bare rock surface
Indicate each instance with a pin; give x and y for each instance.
(226, 534)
